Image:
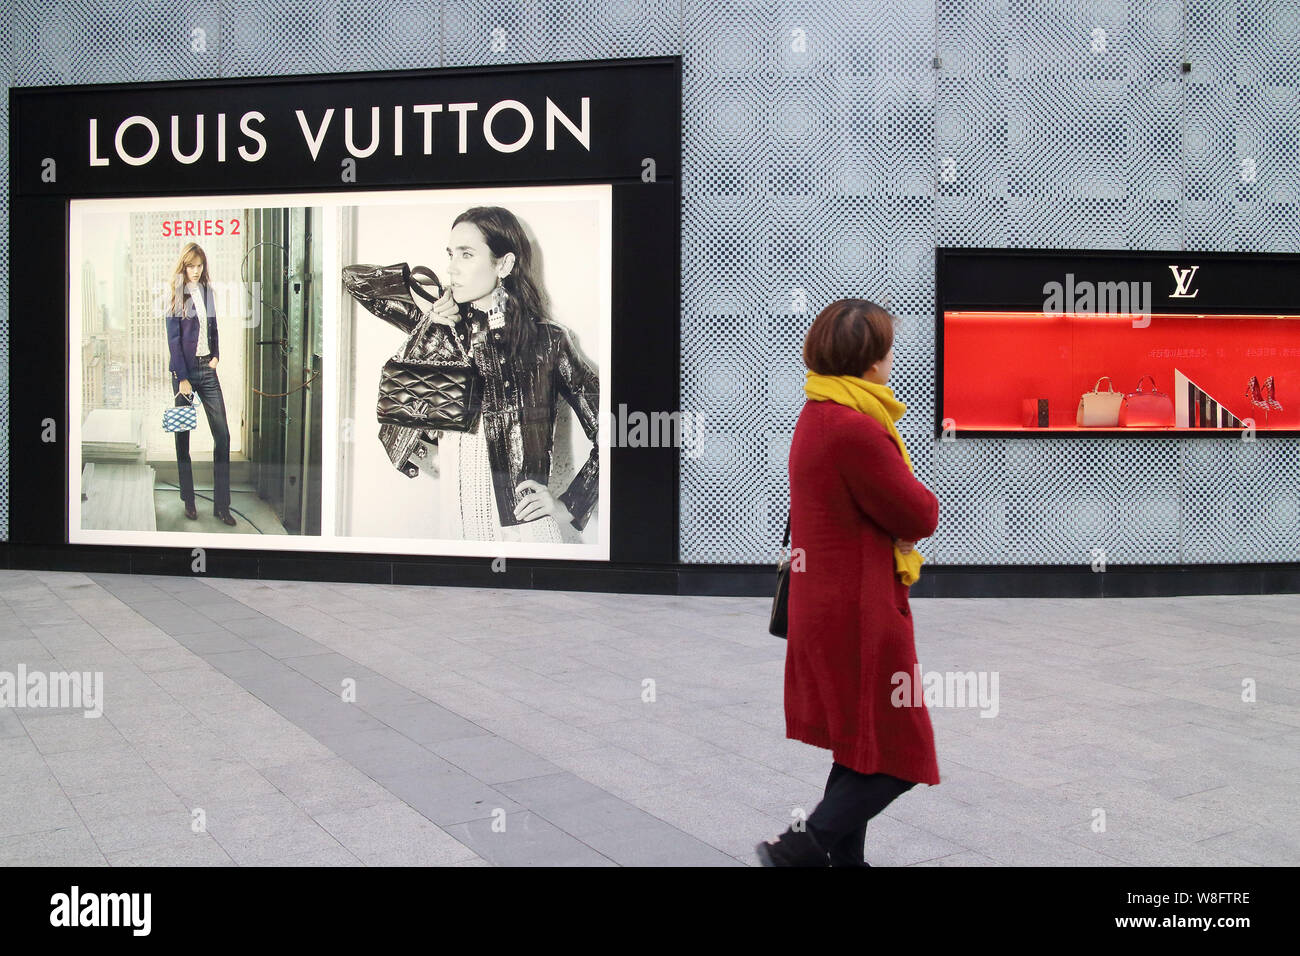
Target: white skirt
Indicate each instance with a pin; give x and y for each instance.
(468, 501)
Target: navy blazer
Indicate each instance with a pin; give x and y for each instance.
(183, 335)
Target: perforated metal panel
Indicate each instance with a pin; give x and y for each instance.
(1050, 125)
(826, 156)
(808, 175)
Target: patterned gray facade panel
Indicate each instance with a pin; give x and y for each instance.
(127, 41)
(477, 33)
(825, 155)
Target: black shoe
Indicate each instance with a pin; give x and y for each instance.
(190, 512)
(793, 848)
(225, 517)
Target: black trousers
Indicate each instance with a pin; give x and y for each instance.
(839, 823)
(207, 386)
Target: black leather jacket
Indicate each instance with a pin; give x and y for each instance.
(521, 393)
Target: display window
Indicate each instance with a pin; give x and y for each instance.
(1088, 343)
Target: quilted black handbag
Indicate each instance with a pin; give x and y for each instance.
(778, 624)
(417, 393)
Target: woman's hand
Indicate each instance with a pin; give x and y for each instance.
(540, 503)
(445, 311)
(904, 546)
(185, 387)
(212, 362)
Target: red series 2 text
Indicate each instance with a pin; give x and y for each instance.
(200, 227)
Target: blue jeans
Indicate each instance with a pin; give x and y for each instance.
(206, 385)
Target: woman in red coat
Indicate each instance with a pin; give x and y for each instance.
(856, 512)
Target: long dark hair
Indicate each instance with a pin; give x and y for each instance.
(526, 305)
(190, 254)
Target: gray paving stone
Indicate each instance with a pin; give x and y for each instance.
(119, 797)
(192, 851)
(656, 844)
(139, 828)
(82, 772)
(269, 828)
(1260, 845)
(244, 663)
(424, 721)
(326, 784)
(330, 670)
(964, 858)
(527, 840)
(10, 725)
(199, 680)
(212, 639)
(491, 759)
(34, 804)
(331, 856)
(59, 733)
(383, 752)
(70, 845)
(282, 646)
(251, 627)
(393, 834)
(449, 798)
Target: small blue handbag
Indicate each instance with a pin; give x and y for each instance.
(182, 418)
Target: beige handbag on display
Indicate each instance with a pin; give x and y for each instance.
(1098, 409)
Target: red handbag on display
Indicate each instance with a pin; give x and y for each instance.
(1151, 409)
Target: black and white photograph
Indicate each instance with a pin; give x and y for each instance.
(473, 370)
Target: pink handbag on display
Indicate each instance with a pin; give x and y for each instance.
(1098, 409)
(1151, 409)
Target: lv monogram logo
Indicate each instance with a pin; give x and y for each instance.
(1183, 282)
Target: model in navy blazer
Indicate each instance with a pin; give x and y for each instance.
(191, 377)
(183, 332)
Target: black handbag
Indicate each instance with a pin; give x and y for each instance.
(417, 393)
(778, 623)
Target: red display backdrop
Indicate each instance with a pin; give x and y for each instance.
(994, 362)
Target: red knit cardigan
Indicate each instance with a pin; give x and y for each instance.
(850, 625)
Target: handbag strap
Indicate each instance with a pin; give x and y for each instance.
(785, 538)
(424, 272)
(1110, 387)
(1143, 379)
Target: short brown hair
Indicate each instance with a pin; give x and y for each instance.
(848, 337)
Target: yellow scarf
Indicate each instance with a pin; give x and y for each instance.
(879, 402)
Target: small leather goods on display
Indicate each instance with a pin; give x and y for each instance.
(1033, 412)
(417, 393)
(1098, 409)
(1150, 409)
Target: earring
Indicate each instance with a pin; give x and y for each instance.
(497, 313)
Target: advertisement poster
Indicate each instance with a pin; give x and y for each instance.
(213, 308)
(408, 371)
(514, 285)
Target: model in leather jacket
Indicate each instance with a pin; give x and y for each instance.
(528, 363)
